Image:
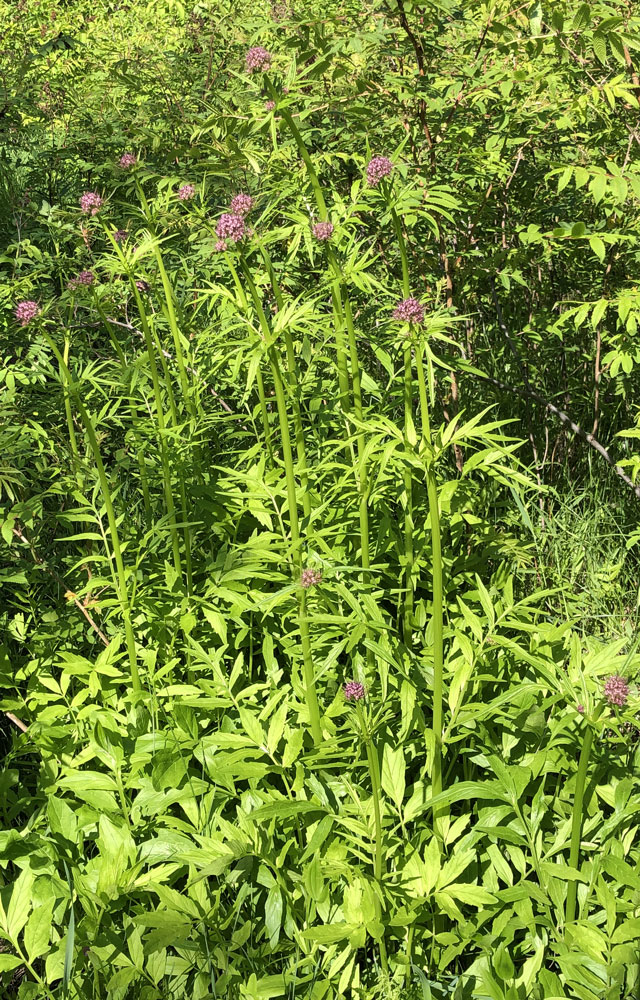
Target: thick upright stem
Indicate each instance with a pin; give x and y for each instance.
(376, 797)
(264, 411)
(73, 441)
(576, 818)
(294, 390)
(437, 607)
(292, 500)
(170, 312)
(133, 409)
(157, 395)
(407, 612)
(304, 152)
(407, 616)
(343, 376)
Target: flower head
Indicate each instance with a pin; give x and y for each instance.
(616, 690)
(127, 160)
(26, 311)
(258, 59)
(354, 691)
(322, 231)
(377, 168)
(409, 311)
(580, 708)
(186, 192)
(269, 105)
(143, 286)
(241, 204)
(121, 235)
(310, 577)
(220, 246)
(230, 227)
(85, 278)
(91, 203)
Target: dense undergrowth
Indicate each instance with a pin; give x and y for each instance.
(318, 408)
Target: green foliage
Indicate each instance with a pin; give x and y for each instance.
(231, 483)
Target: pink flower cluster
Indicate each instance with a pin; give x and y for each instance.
(186, 192)
(310, 577)
(121, 235)
(90, 203)
(26, 311)
(354, 691)
(269, 105)
(409, 311)
(241, 204)
(85, 278)
(616, 690)
(230, 227)
(322, 231)
(127, 160)
(377, 168)
(258, 59)
(143, 286)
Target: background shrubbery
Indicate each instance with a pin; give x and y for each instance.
(232, 483)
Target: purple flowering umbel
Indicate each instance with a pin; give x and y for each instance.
(26, 311)
(322, 231)
(186, 192)
(127, 160)
(90, 203)
(616, 691)
(354, 691)
(85, 278)
(241, 204)
(409, 311)
(377, 168)
(230, 227)
(258, 60)
(310, 577)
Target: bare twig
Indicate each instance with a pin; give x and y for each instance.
(41, 562)
(564, 418)
(16, 721)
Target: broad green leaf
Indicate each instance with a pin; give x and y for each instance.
(20, 903)
(393, 774)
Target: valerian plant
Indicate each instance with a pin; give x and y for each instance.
(314, 324)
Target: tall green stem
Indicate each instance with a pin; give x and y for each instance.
(287, 455)
(407, 616)
(437, 607)
(578, 812)
(259, 379)
(175, 423)
(73, 441)
(304, 152)
(343, 375)
(170, 312)
(123, 594)
(151, 348)
(376, 797)
(133, 409)
(294, 391)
